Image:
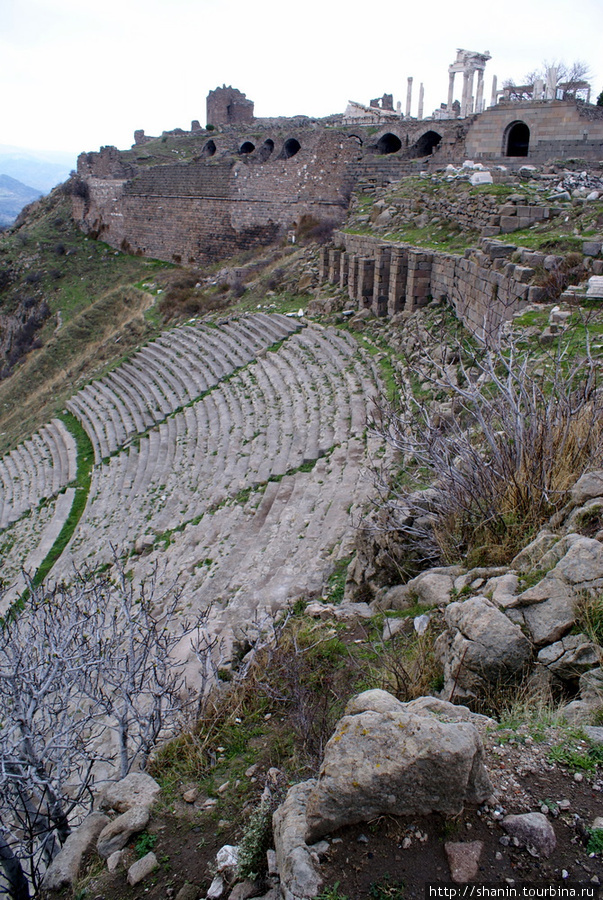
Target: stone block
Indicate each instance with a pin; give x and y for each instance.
(523, 274)
(591, 248)
(508, 224)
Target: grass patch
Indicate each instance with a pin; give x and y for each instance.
(85, 462)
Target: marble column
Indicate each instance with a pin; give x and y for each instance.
(408, 97)
(450, 91)
(421, 98)
(479, 96)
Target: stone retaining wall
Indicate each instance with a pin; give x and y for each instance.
(484, 286)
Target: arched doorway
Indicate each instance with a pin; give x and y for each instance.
(388, 143)
(266, 149)
(426, 144)
(517, 139)
(208, 149)
(246, 147)
(290, 148)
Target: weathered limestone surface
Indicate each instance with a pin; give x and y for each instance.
(389, 760)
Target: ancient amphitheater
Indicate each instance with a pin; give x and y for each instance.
(229, 455)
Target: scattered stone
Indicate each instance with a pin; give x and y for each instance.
(190, 796)
(463, 859)
(188, 892)
(243, 890)
(594, 733)
(227, 859)
(532, 829)
(142, 868)
(114, 861)
(64, 869)
(117, 833)
(216, 888)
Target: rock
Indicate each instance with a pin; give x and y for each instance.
(190, 796)
(216, 888)
(375, 700)
(481, 647)
(582, 565)
(502, 589)
(227, 859)
(142, 868)
(299, 878)
(550, 613)
(390, 761)
(579, 712)
(432, 588)
(594, 733)
(117, 833)
(591, 685)
(243, 890)
(532, 830)
(136, 789)
(188, 892)
(64, 869)
(463, 859)
(391, 627)
(271, 862)
(115, 861)
(447, 712)
(528, 558)
(568, 658)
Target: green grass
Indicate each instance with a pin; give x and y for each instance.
(85, 462)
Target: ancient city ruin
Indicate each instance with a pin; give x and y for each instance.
(329, 332)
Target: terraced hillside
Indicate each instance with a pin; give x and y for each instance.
(229, 456)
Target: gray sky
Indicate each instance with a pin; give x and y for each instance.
(76, 75)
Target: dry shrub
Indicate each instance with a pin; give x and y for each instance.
(318, 230)
(504, 462)
(183, 299)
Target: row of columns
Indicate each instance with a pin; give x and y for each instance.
(389, 281)
(468, 63)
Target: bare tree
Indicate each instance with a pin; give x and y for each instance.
(571, 81)
(80, 661)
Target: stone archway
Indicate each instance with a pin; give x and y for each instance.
(246, 147)
(290, 148)
(209, 148)
(426, 144)
(388, 143)
(265, 151)
(516, 140)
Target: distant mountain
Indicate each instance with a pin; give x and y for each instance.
(41, 169)
(13, 197)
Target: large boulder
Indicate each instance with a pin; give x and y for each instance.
(383, 759)
(481, 648)
(136, 789)
(117, 833)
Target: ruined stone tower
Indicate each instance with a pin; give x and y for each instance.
(228, 106)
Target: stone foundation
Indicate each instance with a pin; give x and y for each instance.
(483, 286)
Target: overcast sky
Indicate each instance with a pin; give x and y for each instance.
(77, 75)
